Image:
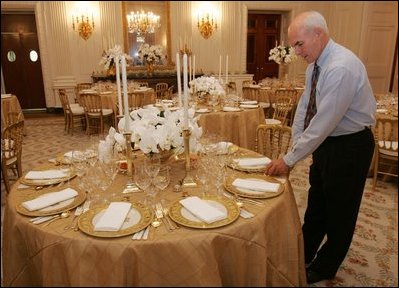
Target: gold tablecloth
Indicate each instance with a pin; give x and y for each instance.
(9, 104)
(236, 127)
(266, 250)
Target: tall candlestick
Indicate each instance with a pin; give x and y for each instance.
(189, 68)
(193, 67)
(220, 68)
(178, 77)
(227, 67)
(185, 87)
(125, 100)
(118, 84)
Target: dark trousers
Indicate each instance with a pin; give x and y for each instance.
(337, 178)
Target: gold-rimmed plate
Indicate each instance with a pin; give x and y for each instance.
(46, 182)
(254, 194)
(253, 169)
(26, 195)
(139, 217)
(183, 217)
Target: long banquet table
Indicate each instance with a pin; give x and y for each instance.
(266, 250)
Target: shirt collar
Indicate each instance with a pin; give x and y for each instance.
(324, 54)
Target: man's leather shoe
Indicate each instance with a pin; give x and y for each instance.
(313, 277)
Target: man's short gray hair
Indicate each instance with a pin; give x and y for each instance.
(314, 19)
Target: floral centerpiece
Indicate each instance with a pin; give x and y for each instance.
(154, 131)
(205, 85)
(282, 54)
(151, 54)
(107, 60)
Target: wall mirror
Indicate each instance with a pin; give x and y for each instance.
(161, 36)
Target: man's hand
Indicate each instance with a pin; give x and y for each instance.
(277, 167)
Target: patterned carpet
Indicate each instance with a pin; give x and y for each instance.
(373, 256)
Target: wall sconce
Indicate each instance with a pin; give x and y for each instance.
(82, 24)
(206, 22)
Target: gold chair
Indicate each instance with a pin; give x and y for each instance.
(290, 93)
(161, 90)
(95, 114)
(386, 148)
(72, 112)
(13, 117)
(272, 140)
(250, 93)
(231, 88)
(246, 83)
(282, 107)
(11, 151)
(81, 86)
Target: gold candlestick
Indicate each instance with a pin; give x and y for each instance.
(130, 185)
(188, 180)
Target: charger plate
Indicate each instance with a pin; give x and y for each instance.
(139, 217)
(247, 193)
(27, 194)
(183, 217)
(46, 182)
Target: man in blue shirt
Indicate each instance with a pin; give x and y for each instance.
(332, 122)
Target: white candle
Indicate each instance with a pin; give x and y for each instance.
(227, 67)
(220, 68)
(189, 68)
(125, 100)
(118, 85)
(193, 67)
(185, 87)
(178, 77)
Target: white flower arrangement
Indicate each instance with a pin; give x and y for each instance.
(154, 130)
(151, 54)
(108, 56)
(282, 54)
(206, 85)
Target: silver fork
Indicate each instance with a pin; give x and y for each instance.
(159, 215)
(165, 211)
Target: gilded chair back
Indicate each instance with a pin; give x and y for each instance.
(386, 147)
(11, 150)
(272, 140)
(282, 107)
(161, 90)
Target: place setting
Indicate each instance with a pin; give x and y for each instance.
(254, 186)
(206, 212)
(47, 203)
(46, 177)
(117, 219)
(249, 164)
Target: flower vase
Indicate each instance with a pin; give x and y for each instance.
(164, 155)
(150, 68)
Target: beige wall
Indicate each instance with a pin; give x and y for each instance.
(368, 28)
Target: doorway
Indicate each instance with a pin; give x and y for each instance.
(21, 60)
(262, 35)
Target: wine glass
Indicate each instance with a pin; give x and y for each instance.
(152, 164)
(141, 177)
(162, 179)
(202, 176)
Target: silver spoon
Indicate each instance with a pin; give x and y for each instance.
(62, 216)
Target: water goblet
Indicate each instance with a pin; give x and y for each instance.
(162, 179)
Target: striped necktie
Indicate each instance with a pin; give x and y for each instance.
(312, 109)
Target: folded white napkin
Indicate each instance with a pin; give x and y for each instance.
(202, 210)
(167, 101)
(223, 147)
(231, 109)
(256, 185)
(3, 96)
(202, 110)
(254, 86)
(252, 162)
(88, 91)
(249, 106)
(113, 217)
(49, 199)
(78, 154)
(381, 110)
(249, 102)
(47, 174)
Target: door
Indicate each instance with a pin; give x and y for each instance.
(20, 60)
(262, 36)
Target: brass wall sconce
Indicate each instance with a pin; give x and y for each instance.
(83, 25)
(207, 24)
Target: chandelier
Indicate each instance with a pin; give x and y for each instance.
(142, 23)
